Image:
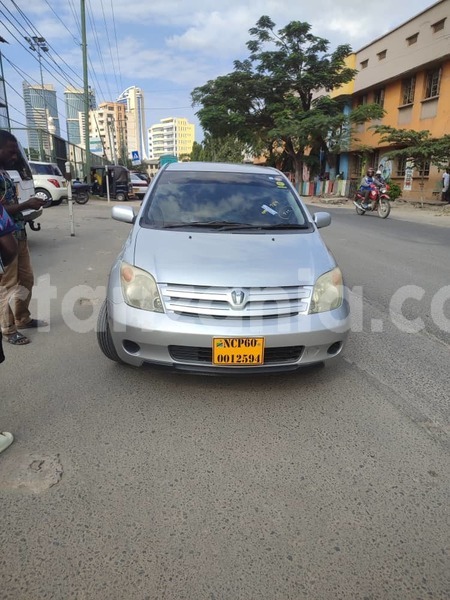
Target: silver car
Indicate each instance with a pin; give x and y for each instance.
(224, 271)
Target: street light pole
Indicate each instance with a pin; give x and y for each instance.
(4, 105)
(86, 91)
(39, 44)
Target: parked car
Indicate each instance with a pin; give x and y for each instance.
(49, 182)
(224, 271)
(139, 183)
(143, 176)
(23, 180)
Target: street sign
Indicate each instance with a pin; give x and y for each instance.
(135, 160)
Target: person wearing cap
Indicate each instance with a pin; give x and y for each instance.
(379, 179)
(366, 185)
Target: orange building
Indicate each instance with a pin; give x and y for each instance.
(407, 71)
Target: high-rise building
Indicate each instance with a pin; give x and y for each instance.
(75, 114)
(107, 131)
(41, 109)
(171, 136)
(133, 99)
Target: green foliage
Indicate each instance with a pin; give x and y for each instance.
(395, 191)
(278, 96)
(418, 147)
(218, 149)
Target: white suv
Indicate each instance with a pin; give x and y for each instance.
(50, 184)
(23, 180)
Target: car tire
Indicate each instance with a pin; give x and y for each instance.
(57, 202)
(41, 193)
(104, 338)
(121, 197)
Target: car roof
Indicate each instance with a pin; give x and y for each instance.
(220, 167)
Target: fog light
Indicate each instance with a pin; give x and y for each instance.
(131, 347)
(334, 348)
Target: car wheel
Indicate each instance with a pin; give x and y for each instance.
(104, 338)
(121, 197)
(44, 195)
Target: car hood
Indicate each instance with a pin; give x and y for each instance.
(237, 259)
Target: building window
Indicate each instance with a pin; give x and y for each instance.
(425, 170)
(433, 83)
(360, 100)
(438, 26)
(378, 97)
(382, 54)
(401, 167)
(364, 63)
(357, 166)
(408, 87)
(412, 39)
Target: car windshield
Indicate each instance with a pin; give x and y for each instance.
(223, 200)
(136, 179)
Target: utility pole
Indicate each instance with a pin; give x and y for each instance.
(39, 44)
(86, 91)
(4, 118)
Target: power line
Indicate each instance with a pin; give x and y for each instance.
(27, 20)
(78, 42)
(109, 45)
(117, 45)
(51, 72)
(39, 90)
(96, 41)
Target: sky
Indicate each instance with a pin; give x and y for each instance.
(166, 47)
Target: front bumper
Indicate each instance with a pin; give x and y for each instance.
(185, 343)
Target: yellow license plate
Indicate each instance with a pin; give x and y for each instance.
(238, 352)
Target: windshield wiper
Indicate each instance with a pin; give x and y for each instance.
(284, 226)
(211, 225)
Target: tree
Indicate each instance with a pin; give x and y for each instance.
(219, 149)
(418, 148)
(277, 98)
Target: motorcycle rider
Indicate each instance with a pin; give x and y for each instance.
(367, 183)
(379, 179)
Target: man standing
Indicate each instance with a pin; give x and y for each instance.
(17, 280)
(446, 186)
(8, 251)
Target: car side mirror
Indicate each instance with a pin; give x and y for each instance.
(125, 214)
(322, 219)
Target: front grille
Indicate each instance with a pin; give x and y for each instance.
(235, 303)
(188, 354)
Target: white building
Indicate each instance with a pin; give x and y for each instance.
(133, 99)
(171, 136)
(107, 131)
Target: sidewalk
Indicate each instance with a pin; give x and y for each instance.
(432, 212)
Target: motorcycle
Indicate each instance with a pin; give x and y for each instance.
(378, 201)
(80, 192)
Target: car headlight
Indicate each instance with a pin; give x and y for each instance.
(328, 292)
(139, 289)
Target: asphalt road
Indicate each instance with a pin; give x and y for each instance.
(141, 484)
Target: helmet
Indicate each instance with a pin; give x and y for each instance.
(378, 172)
